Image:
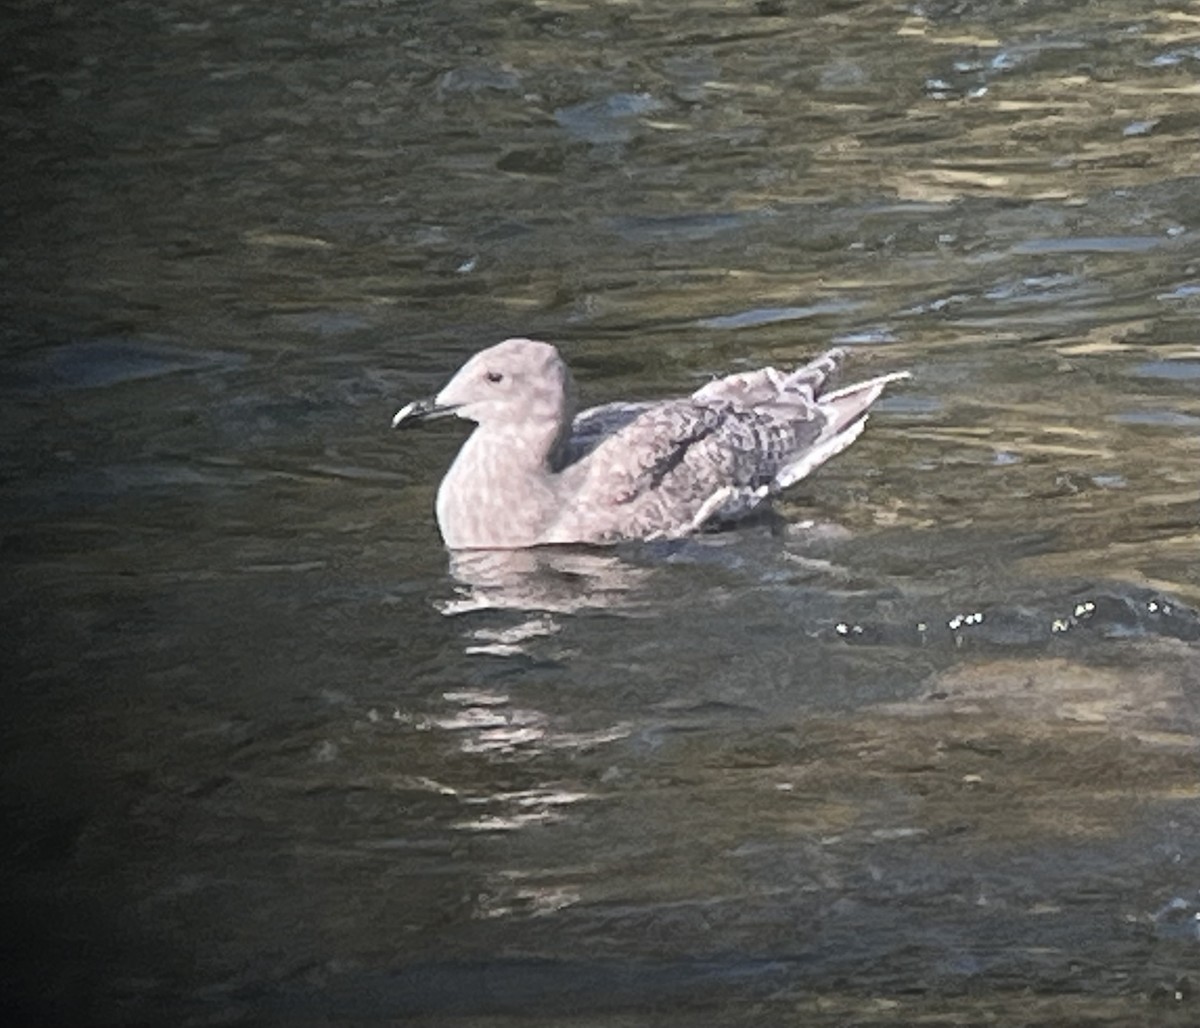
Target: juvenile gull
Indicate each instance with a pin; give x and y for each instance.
(533, 472)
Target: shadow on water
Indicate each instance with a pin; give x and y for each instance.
(924, 747)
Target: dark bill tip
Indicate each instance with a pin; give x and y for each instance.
(419, 410)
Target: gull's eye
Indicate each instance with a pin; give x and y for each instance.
(494, 376)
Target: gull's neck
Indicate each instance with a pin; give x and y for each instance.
(500, 491)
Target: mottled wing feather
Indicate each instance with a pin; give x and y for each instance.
(772, 389)
(653, 447)
(777, 396)
(760, 442)
(592, 426)
(647, 470)
(675, 456)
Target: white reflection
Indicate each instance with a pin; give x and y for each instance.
(520, 893)
(490, 724)
(505, 642)
(552, 579)
(529, 901)
(495, 729)
(519, 809)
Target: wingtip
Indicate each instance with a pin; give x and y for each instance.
(876, 383)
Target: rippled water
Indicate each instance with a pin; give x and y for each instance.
(924, 746)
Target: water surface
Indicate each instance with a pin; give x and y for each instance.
(924, 746)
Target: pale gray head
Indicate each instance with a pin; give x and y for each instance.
(518, 381)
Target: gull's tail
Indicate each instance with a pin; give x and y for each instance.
(845, 411)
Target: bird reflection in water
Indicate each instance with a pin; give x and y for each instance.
(550, 579)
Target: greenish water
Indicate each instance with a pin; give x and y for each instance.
(923, 747)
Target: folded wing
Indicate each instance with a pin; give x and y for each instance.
(673, 467)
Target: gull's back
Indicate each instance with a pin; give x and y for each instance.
(668, 469)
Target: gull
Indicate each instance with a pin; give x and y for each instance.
(533, 472)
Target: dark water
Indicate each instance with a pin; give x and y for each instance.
(924, 748)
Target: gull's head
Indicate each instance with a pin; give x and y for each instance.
(512, 383)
